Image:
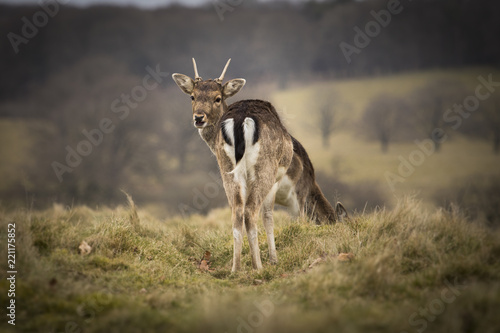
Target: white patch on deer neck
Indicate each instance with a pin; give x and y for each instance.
(245, 169)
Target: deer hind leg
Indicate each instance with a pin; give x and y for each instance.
(261, 195)
(267, 217)
(251, 217)
(252, 208)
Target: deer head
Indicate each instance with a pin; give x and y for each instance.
(208, 97)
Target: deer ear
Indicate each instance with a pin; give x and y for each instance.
(232, 87)
(184, 82)
(341, 212)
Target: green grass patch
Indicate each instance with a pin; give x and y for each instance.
(142, 275)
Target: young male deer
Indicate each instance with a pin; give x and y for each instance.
(260, 162)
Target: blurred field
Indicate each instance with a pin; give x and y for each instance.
(413, 269)
(14, 147)
(355, 160)
(349, 167)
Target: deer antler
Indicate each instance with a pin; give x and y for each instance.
(221, 77)
(196, 75)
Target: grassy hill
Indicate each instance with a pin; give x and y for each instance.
(356, 161)
(413, 270)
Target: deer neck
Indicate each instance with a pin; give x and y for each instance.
(209, 133)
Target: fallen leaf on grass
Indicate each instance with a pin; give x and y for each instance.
(84, 248)
(316, 261)
(345, 257)
(342, 257)
(204, 264)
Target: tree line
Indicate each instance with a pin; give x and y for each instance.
(276, 40)
(437, 111)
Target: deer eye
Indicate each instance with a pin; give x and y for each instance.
(192, 97)
(217, 100)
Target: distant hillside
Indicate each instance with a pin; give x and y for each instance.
(355, 164)
(165, 151)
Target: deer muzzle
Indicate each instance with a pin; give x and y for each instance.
(199, 120)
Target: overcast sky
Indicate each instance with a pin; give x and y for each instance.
(149, 4)
(137, 3)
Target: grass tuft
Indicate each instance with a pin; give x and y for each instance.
(133, 216)
(144, 277)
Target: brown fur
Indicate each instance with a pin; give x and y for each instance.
(254, 183)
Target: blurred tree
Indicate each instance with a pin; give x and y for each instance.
(492, 116)
(327, 102)
(484, 123)
(382, 119)
(75, 102)
(327, 115)
(428, 105)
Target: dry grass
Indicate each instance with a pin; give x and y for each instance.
(144, 277)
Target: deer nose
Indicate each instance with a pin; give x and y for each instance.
(199, 119)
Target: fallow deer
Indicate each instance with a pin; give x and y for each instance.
(259, 161)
